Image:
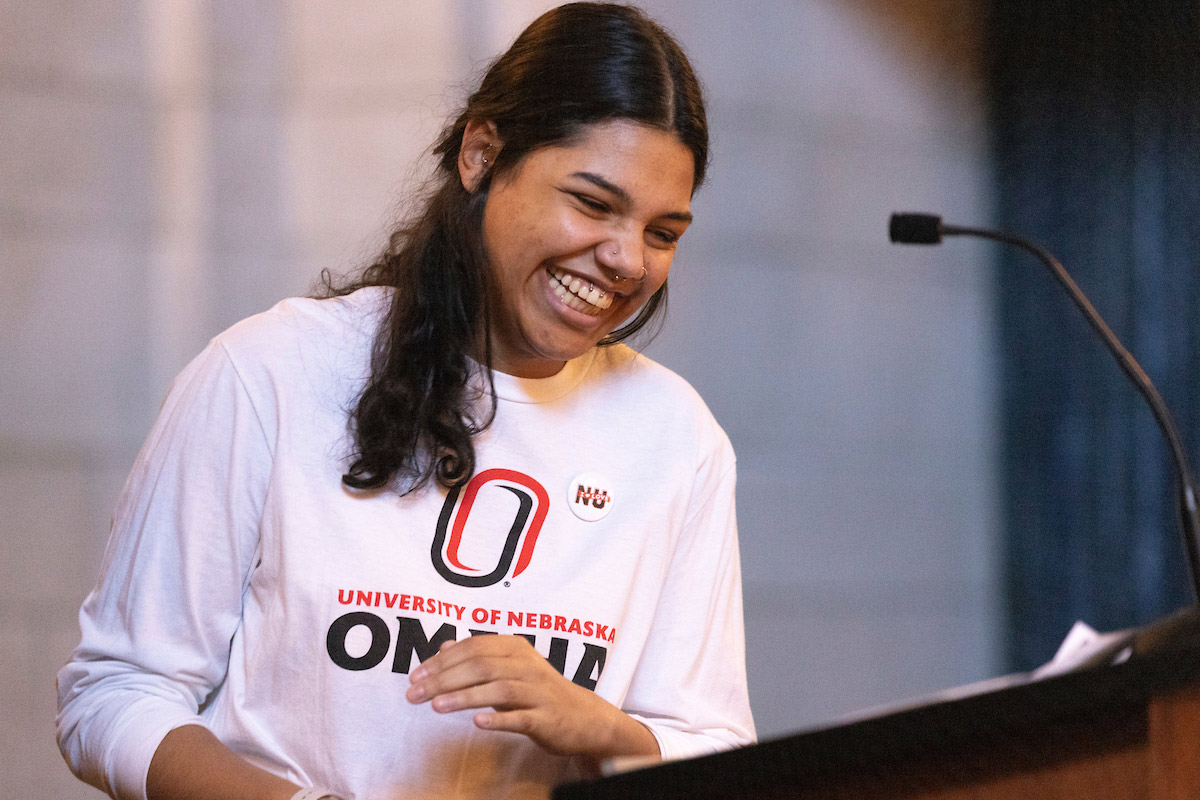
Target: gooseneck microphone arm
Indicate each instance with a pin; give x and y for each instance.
(929, 229)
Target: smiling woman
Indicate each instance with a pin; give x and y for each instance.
(581, 78)
(344, 496)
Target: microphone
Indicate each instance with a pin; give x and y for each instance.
(919, 228)
(915, 229)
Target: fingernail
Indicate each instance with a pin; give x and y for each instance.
(415, 693)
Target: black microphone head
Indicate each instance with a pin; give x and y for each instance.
(911, 228)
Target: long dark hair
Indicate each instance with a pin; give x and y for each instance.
(576, 65)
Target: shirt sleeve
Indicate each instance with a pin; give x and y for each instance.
(690, 686)
(157, 628)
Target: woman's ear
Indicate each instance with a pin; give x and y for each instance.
(480, 145)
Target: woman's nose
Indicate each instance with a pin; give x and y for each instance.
(623, 255)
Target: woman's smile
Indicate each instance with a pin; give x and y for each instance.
(579, 294)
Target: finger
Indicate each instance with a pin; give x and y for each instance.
(502, 695)
(532, 723)
(470, 672)
(473, 647)
(514, 721)
(432, 663)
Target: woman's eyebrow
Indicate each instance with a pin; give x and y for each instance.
(622, 195)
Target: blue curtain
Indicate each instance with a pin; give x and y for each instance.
(1096, 124)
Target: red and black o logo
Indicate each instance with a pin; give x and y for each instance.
(496, 496)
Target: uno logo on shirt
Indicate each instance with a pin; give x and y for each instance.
(468, 531)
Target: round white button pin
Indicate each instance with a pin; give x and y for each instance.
(589, 496)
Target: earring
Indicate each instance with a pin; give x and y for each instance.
(486, 150)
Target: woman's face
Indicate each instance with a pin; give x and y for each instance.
(600, 214)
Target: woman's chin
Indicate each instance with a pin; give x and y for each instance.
(542, 357)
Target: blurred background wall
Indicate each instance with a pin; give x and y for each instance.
(169, 167)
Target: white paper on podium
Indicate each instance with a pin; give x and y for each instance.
(1082, 647)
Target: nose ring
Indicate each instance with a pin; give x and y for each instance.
(619, 278)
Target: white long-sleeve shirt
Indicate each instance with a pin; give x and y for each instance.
(244, 588)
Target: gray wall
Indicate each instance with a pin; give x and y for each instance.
(170, 167)
(854, 377)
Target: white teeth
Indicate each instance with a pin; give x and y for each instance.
(569, 288)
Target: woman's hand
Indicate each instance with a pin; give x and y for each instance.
(528, 696)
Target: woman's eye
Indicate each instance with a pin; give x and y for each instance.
(665, 237)
(592, 204)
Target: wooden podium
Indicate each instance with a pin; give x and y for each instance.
(1115, 731)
